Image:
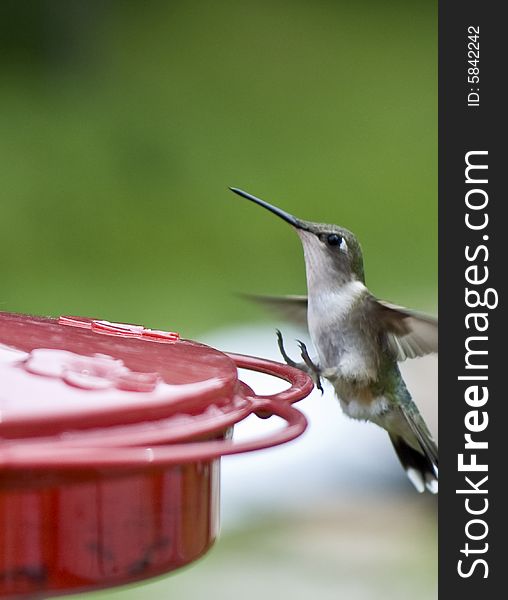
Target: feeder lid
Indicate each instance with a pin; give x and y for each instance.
(73, 374)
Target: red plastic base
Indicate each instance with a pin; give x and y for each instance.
(90, 531)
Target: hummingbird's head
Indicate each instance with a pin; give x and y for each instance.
(333, 255)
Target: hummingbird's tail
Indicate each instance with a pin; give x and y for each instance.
(418, 452)
(419, 467)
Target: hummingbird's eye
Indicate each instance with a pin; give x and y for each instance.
(334, 239)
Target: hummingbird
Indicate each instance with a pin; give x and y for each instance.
(359, 341)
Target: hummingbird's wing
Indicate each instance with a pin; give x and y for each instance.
(409, 334)
(290, 308)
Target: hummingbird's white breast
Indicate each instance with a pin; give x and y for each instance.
(344, 349)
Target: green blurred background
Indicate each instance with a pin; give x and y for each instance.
(122, 123)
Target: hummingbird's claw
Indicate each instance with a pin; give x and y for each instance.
(307, 366)
(280, 343)
(313, 369)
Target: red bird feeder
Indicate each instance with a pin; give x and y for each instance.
(110, 444)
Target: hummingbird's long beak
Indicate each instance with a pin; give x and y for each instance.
(276, 211)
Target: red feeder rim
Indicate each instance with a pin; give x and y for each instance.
(80, 393)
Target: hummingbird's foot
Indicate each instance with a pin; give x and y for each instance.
(313, 370)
